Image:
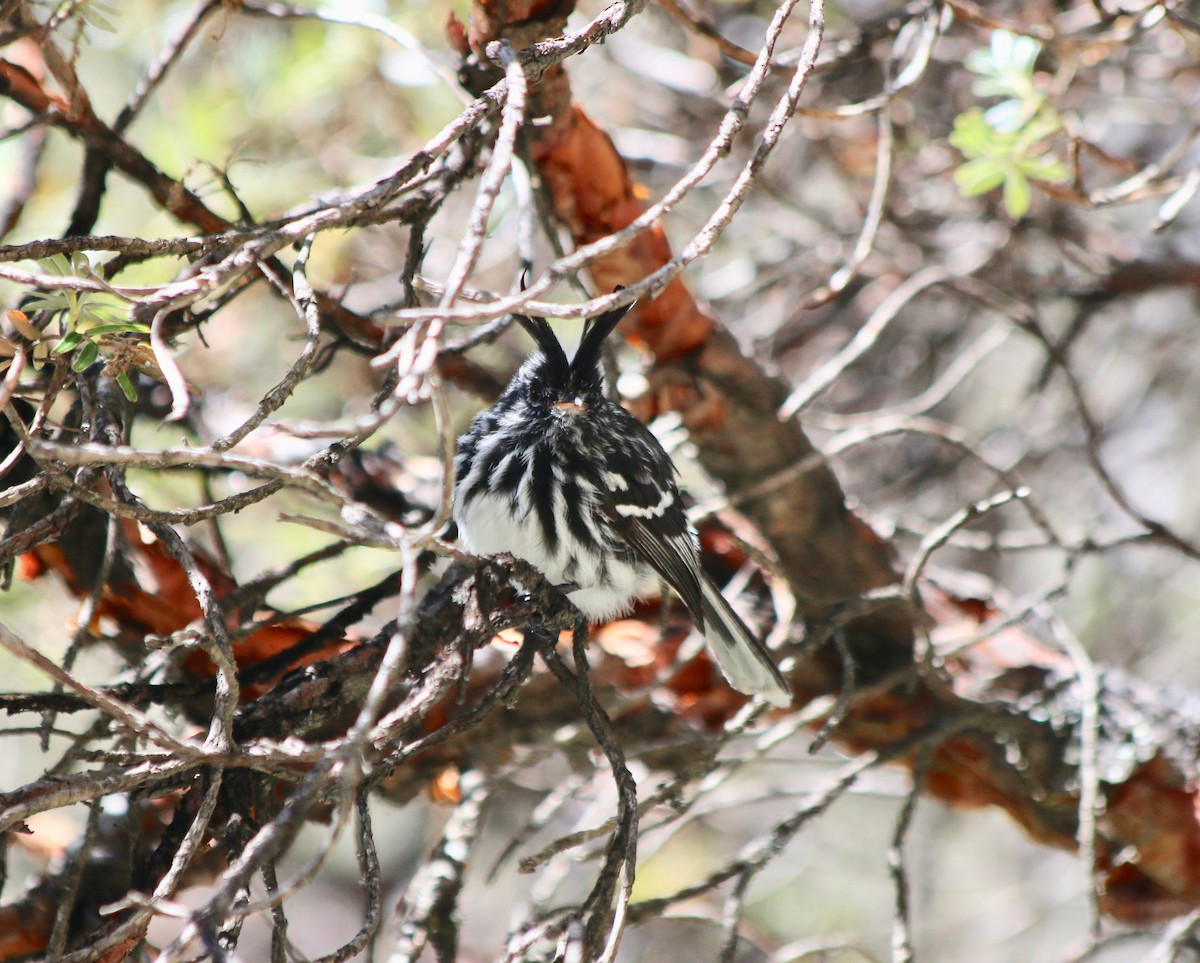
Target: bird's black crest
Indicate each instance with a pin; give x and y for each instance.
(558, 368)
(587, 358)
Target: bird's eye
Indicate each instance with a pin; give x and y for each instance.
(541, 393)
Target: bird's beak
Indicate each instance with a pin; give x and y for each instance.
(574, 406)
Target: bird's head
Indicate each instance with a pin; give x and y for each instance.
(570, 387)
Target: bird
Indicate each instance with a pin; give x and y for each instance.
(560, 475)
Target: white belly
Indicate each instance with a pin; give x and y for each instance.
(604, 590)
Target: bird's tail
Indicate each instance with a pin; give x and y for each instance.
(744, 659)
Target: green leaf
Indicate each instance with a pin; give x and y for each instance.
(56, 264)
(127, 327)
(1009, 56)
(980, 176)
(50, 302)
(92, 15)
(127, 386)
(1006, 70)
(70, 342)
(86, 357)
(1018, 195)
(980, 61)
(1011, 116)
(1045, 167)
(1022, 54)
(1044, 124)
(91, 309)
(975, 137)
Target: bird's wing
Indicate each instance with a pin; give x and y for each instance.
(641, 501)
(639, 498)
(671, 554)
(743, 659)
